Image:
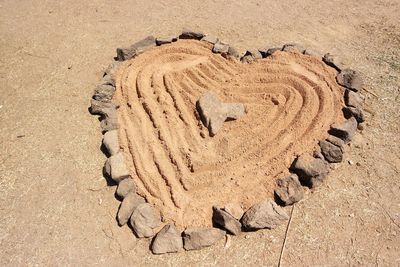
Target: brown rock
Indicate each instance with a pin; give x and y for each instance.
(357, 113)
(220, 48)
(333, 61)
(110, 121)
(201, 237)
(226, 221)
(289, 189)
(266, 52)
(145, 220)
(166, 40)
(189, 34)
(214, 113)
(335, 140)
(101, 107)
(125, 187)
(313, 53)
(293, 47)
(353, 99)
(233, 52)
(350, 79)
(345, 130)
(135, 49)
(210, 39)
(111, 142)
(104, 92)
(128, 205)
(168, 240)
(234, 209)
(251, 55)
(115, 167)
(331, 152)
(311, 171)
(266, 214)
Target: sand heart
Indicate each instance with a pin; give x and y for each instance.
(291, 100)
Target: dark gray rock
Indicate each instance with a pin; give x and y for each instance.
(125, 187)
(168, 240)
(135, 49)
(234, 209)
(111, 142)
(293, 47)
(331, 152)
(353, 99)
(115, 167)
(145, 220)
(266, 52)
(335, 140)
(189, 34)
(311, 171)
(201, 237)
(166, 40)
(225, 220)
(333, 61)
(289, 189)
(357, 113)
(210, 39)
(128, 205)
(220, 48)
(251, 55)
(266, 214)
(350, 79)
(345, 130)
(233, 52)
(214, 113)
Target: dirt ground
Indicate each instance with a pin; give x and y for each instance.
(55, 207)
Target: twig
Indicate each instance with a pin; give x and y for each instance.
(372, 93)
(286, 233)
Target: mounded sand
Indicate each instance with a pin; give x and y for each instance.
(291, 100)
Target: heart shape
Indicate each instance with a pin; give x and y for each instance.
(291, 100)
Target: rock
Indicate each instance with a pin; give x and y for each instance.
(311, 171)
(125, 187)
(128, 205)
(101, 108)
(166, 40)
(225, 220)
(110, 121)
(112, 69)
(220, 48)
(251, 55)
(115, 167)
(201, 237)
(266, 52)
(312, 52)
(104, 92)
(233, 52)
(189, 34)
(210, 39)
(107, 80)
(266, 214)
(333, 61)
(234, 209)
(111, 142)
(345, 130)
(168, 240)
(293, 47)
(289, 189)
(353, 99)
(350, 79)
(145, 220)
(357, 113)
(135, 49)
(331, 152)
(335, 140)
(214, 113)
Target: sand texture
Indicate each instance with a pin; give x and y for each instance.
(291, 100)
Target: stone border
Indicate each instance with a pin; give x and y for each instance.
(306, 170)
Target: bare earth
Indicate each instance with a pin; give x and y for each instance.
(55, 207)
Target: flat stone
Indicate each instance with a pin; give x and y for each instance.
(145, 220)
(345, 130)
(266, 52)
(289, 189)
(214, 113)
(198, 238)
(333, 61)
(350, 79)
(220, 48)
(251, 55)
(232, 51)
(311, 171)
(234, 209)
(166, 40)
(136, 48)
(357, 113)
(210, 39)
(101, 107)
(125, 187)
(168, 240)
(115, 167)
(128, 205)
(189, 34)
(293, 47)
(266, 214)
(226, 221)
(313, 53)
(111, 142)
(331, 152)
(335, 140)
(353, 99)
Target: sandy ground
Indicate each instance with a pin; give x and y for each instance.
(55, 207)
